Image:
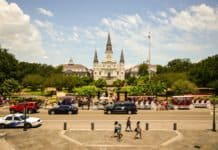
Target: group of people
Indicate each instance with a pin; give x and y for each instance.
(118, 129)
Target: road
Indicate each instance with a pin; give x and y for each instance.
(185, 119)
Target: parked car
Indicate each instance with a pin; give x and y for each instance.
(31, 107)
(17, 120)
(125, 107)
(63, 109)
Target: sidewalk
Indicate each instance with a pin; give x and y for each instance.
(5, 145)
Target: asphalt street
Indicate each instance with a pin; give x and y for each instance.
(185, 119)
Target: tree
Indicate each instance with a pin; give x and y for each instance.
(100, 83)
(142, 80)
(71, 81)
(184, 87)
(55, 80)
(170, 78)
(205, 71)
(161, 69)
(131, 81)
(33, 81)
(118, 83)
(86, 90)
(179, 65)
(25, 68)
(8, 65)
(8, 87)
(143, 69)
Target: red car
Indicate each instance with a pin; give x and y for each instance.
(31, 107)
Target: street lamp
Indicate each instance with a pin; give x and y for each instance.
(214, 113)
(25, 111)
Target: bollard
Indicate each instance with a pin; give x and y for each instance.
(174, 126)
(92, 126)
(65, 126)
(146, 126)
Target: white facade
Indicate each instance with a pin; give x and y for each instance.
(109, 69)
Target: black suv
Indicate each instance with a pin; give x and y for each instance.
(63, 109)
(125, 107)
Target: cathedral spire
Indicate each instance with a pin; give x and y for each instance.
(122, 57)
(95, 57)
(109, 45)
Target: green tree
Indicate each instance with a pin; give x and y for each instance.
(8, 87)
(205, 71)
(131, 81)
(71, 81)
(86, 90)
(25, 68)
(118, 83)
(100, 83)
(179, 65)
(33, 81)
(184, 87)
(143, 69)
(55, 80)
(170, 78)
(8, 65)
(142, 80)
(161, 69)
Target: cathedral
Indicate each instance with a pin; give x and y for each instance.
(109, 69)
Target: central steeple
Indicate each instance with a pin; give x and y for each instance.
(108, 45)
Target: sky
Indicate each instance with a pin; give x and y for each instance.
(54, 31)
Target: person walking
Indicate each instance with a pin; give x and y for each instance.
(128, 125)
(116, 128)
(138, 131)
(119, 133)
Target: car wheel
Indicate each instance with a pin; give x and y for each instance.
(12, 111)
(2, 126)
(129, 112)
(109, 112)
(52, 112)
(30, 111)
(28, 125)
(70, 112)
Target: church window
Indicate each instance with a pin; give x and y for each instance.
(117, 72)
(99, 73)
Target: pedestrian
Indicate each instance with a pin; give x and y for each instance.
(128, 124)
(119, 133)
(116, 128)
(138, 131)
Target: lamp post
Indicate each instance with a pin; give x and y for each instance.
(214, 115)
(24, 126)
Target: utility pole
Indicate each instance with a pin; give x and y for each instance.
(149, 55)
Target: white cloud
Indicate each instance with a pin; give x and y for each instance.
(123, 22)
(173, 10)
(201, 17)
(17, 33)
(45, 12)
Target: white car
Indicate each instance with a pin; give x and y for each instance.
(17, 120)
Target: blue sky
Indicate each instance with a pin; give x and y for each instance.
(53, 31)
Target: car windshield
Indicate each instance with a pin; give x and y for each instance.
(23, 117)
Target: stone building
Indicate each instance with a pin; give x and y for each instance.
(76, 69)
(109, 69)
